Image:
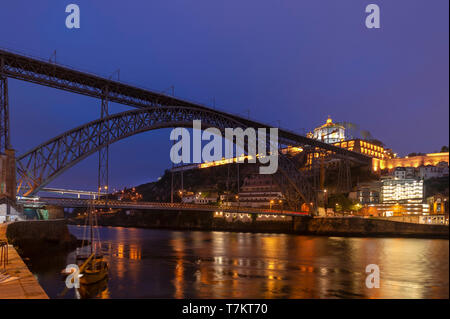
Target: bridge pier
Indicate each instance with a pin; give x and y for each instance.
(8, 175)
(4, 110)
(103, 153)
(7, 154)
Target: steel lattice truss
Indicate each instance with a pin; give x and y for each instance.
(64, 78)
(149, 206)
(41, 165)
(4, 116)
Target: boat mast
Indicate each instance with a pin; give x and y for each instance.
(91, 229)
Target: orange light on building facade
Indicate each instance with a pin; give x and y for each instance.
(363, 147)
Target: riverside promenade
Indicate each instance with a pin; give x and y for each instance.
(25, 286)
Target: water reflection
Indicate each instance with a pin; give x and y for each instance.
(98, 290)
(147, 263)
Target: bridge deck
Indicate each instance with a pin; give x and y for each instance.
(116, 204)
(61, 77)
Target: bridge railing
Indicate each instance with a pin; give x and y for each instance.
(75, 202)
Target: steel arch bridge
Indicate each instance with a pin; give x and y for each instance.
(153, 110)
(41, 165)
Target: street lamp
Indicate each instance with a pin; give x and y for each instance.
(106, 195)
(270, 206)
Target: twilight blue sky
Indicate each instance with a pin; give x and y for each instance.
(288, 60)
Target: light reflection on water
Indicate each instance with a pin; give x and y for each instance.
(145, 263)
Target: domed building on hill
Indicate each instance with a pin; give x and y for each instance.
(329, 132)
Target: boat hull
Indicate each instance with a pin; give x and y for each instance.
(92, 277)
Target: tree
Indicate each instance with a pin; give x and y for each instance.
(340, 202)
(444, 148)
(415, 154)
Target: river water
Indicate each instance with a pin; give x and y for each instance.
(149, 263)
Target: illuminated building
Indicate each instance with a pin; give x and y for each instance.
(364, 147)
(259, 190)
(378, 153)
(401, 197)
(329, 132)
(399, 209)
(438, 204)
(383, 158)
(416, 161)
(438, 209)
(401, 190)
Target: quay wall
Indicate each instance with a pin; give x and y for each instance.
(48, 233)
(350, 226)
(188, 221)
(304, 225)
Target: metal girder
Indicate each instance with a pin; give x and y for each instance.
(4, 111)
(53, 75)
(42, 164)
(344, 183)
(45, 162)
(99, 203)
(103, 153)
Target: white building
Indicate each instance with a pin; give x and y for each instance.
(329, 132)
(404, 172)
(400, 173)
(9, 214)
(410, 172)
(200, 198)
(430, 171)
(402, 190)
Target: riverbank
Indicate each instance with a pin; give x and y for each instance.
(32, 235)
(370, 227)
(301, 225)
(21, 283)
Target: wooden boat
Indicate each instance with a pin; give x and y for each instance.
(93, 266)
(93, 270)
(97, 290)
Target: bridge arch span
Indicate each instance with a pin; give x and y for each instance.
(44, 163)
(39, 166)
